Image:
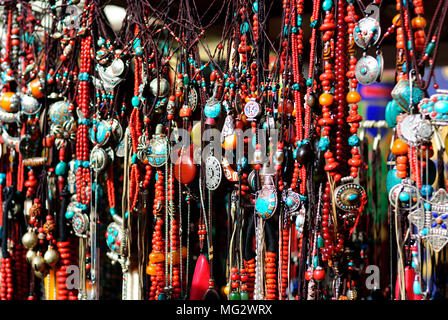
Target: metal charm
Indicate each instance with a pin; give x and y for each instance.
(252, 110)
(367, 70)
(98, 159)
(163, 87)
(80, 223)
(414, 129)
(116, 239)
(368, 31)
(213, 173)
(402, 94)
(436, 107)
(291, 200)
(405, 195)
(348, 195)
(266, 202)
(158, 148)
(30, 105)
(26, 146)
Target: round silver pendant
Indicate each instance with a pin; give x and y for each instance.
(367, 70)
(163, 86)
(252, 110)
(158, 151)
(213, 173)
(415, 130)
(367, 32)
(80, 224)
(348, 196)
(116, 68)
(405, 195)
(26, 146)
(60, 112)
(292, 200)
(30, 105)
(117, 130)
(98, 159)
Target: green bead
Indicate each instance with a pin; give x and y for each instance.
(235, 296)
(61, 168)
(320, 242)
(186, 80)
(244, 295)
(430, 48)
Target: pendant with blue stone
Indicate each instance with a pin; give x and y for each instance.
(348, 196)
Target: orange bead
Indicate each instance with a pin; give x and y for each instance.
(353, 97)
(7, 102)
(399, 147)
(326, 99)
(396, 20)
(401, 174)
(185, 112)
(418, 22)
(230, 142)
(36, 90)
(402, 159)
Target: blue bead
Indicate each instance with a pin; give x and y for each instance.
(327, 5)
(353, 140)
(135, 101)
(441, 106)
(288, 201)
(323, 143)
(255, 7)
(61, 168)
(424, 232)
(112, 211)
(404, 196)
(69, 215)
(426, 190)
(353, 197)
(2, 178)
(86, 164)
(417, 288)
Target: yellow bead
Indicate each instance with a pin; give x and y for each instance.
(229, 142)
(196, 134)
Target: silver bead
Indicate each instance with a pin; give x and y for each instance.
(30, 254)
(164, 87)
(51, 257)
(38, 263)
(29, 239)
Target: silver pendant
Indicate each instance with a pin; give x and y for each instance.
(116, 239)
(266, 202)
(158, 149)
(26, 146)
(252, 110)
(414, 130)
(368, 30)
(348, 196)
(80, 223)
(213, 173)
(405, 196)
(431, 219)
(163, 87)
(98, 159)
(436, 107)
(367, 70)
(228, 128)
(30, 105)
(292, 200)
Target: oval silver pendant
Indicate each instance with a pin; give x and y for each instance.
(213, 173)
(292, 200)
(367, 32)
(348, 196)
(266, 203)
(98, 159)
(367, 70)
(30, 105)
(80, 224)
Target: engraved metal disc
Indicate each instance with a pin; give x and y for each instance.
(26, 146)
(252, 110)
(367, 32)
(367, 70)
(213, 173)
(193, 99)
(114, 237)
(415, 130)
(60, 112)
(292, 200)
